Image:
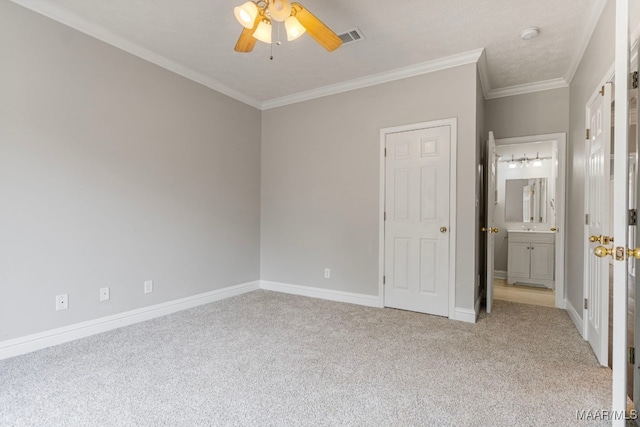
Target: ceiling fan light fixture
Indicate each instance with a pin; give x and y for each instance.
(296, 18)
(279, 10)
(246, 14)
(294, 28)
(263, 32)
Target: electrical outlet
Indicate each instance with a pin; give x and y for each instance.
(148, 286)
(104, 294)
(62, 302)
(327, 273)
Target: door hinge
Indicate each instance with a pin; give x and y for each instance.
(601, 92)
(633, 217)
(632, 355)
(384, 280)
(385, 216)
(634, 80)
(385, 152)
(587, 134)
(586, 304)
(586, 219)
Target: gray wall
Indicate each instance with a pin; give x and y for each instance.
(528, 114)
(597, 60)
(320, 180)
(114, 171)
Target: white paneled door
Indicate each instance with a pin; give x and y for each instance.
(598, 153)
(490, 229)
(417, 192)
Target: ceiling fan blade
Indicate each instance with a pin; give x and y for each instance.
(316, 28)
(246, 41)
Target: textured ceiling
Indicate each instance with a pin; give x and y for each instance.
(199, 35)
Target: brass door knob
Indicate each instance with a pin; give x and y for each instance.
(554, 229)
(494, 230)
(484, 229)
(603, 251)
(605, 240)
(490, 229)
(443, 229)
(633, 253)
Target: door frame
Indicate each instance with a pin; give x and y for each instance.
(560, 256)
(453, 161)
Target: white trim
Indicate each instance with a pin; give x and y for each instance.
(483, 72)
(592, 21)
(561, 139)
(29, 343)
(575, 317)
(500, 274)
(376, 79)
(527, 88)
(57, 13)
(453, 165)
(464, 315)
(321, 293)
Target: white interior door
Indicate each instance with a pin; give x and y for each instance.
(417, 183)
(620, 213)
(634, 237)
(491, 206)
(598, 152)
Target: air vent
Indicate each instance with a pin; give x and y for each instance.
(351, 36)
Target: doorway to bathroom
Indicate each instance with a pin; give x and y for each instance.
(527, 220)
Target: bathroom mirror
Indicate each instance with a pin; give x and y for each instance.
(526, 200)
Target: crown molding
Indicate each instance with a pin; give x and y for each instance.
(58, 14)
(376, 79)
(592, 22)
(527, 88)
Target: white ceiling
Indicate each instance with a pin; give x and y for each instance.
(196, 38)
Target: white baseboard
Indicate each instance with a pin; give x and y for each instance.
(573, 314)
(53, 337)
(500, 274)
(328, 294)
(465, 315)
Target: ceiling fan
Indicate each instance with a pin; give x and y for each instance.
(256, 17)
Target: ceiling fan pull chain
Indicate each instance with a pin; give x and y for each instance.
(278, 42)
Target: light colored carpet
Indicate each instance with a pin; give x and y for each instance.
(266, 358)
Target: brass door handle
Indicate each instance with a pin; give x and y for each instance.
(633, 253)
(490, 229)
(443, 229)
(603, 251)
(605, 240)
(554, 229)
